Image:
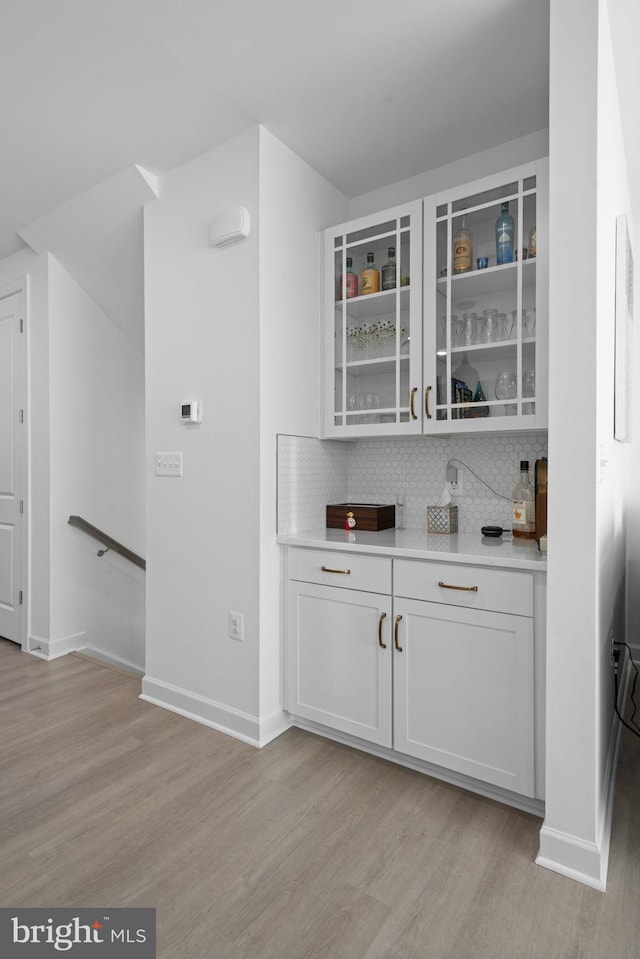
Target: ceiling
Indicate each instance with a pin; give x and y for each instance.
(367, 92)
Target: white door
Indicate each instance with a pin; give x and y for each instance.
(463, 685)
(12, 377)
(339, 659)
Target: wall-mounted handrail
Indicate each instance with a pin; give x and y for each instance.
(107, 541)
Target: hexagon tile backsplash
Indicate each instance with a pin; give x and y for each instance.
(312, 473)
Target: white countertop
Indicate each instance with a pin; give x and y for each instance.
(414, 544)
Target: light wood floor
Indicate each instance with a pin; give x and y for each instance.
(303, 850)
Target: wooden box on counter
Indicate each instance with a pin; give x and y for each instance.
(368, 516)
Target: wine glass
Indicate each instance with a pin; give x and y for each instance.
(529, 323)
(528, 389)
(506, 388)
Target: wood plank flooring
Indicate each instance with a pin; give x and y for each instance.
(303, 850)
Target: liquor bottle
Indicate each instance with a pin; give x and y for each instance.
(389, 271)
(523, 505)
(505, 230)
(348, 282)
(370, 277)
(462, 249)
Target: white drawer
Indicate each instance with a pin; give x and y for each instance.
(502, 590)
(334, 568)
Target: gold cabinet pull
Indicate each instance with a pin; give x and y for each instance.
(426, 402)
(395, 633)
(383, 616)
(414, 390)
(464, 589)
(343, 572)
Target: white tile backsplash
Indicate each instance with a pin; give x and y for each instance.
(312, 473)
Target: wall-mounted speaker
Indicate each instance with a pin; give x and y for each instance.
(230, 226)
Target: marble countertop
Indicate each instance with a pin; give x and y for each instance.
(472, 548)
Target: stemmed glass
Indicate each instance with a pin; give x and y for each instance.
(529, 390)
(507, 389)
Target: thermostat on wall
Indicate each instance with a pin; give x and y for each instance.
(191, 411)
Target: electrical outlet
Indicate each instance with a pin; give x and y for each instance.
(455, 486)
(236, 626)
(615, 651)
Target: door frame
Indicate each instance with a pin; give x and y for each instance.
(21, 285)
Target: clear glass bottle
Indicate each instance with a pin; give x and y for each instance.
(389, 270)
(370, 277)
(462, 249)
(523, 505)
(505, 232)
(348, 282)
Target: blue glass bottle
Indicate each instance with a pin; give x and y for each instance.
(505, 230)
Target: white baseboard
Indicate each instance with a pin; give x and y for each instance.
(587, 862)
(573, 858)
(489, 791)
(100, 656)
(249, 729)
(54, 648)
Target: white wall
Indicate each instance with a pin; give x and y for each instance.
(85, 427)
(203, 340)
(238, 328)
(296, 203)
(586, 518)
(96, 421)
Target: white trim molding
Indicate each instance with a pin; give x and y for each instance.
(249, 729)
(587, 862)
(55, 648)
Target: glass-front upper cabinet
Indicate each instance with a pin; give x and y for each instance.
(486, 296)
(373, 333)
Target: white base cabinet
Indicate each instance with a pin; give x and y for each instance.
(339, 674)
(424, 670)
(463, 692)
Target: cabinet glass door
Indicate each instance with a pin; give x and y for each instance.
(487, 306)
(375, 334)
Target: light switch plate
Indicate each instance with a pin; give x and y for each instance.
(169, 464)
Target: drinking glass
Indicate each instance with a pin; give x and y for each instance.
(469, 328)
(529, 323)
(502, 327)
(528, 389)
(491, 326)
(507, 389)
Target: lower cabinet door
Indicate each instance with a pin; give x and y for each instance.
(463, 691)
(338, 659)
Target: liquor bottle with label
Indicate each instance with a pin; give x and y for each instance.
(505, 231)
(462, 249)
(370, 277)
(389, 270)
(523, 505)
(348, 282)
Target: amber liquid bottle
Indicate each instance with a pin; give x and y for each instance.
(523, 505)
(462, 249)
(370, 277)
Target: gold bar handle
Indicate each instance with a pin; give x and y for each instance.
(343, 572)
(383, 616)
(426, 402)
(414, 390)
(464, 589)
(395, 633)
